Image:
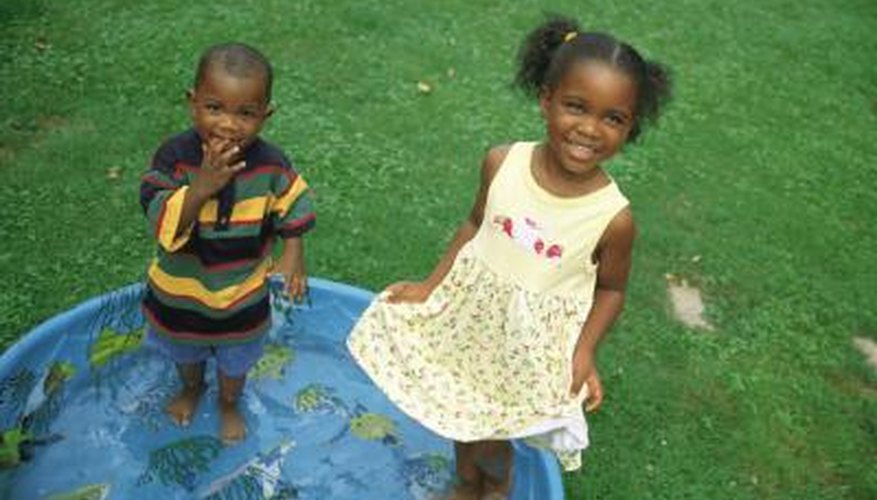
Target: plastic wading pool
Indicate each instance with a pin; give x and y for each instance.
(82, 416)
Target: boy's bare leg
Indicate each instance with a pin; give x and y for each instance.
(182, 407)
(232, 426)
(495, 461)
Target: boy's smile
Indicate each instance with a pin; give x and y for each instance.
(229, 109)
(588, 116)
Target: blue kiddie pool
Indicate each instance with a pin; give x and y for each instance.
(82, 416)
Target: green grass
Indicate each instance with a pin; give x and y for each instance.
(763, 166)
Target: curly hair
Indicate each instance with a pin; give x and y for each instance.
(551, 49)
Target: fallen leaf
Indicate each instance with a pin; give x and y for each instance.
(424, 88)
(114, 173)
(41, 44)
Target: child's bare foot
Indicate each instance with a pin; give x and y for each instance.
(233, 428)
(183, 406)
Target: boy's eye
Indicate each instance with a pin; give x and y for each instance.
(211, 106)
(249, 114)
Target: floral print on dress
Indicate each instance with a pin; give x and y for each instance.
(530, 235)
(482, 358)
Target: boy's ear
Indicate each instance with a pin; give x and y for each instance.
(190, 96)
(269, 110)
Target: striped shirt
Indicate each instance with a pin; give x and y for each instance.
(208, 283)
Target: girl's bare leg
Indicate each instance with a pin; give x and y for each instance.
(495, 458)
(469, 476)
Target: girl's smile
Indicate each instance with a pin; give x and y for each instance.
(589, 115)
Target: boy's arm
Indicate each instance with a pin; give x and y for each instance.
(292, 266)
(419, 291)
(162, 197)
(221, 161)
(614, 255)
(172, 207)
(293, 216)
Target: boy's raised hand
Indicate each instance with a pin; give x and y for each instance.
(221, 160)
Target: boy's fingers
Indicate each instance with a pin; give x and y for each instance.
(227, 154)
(297, 288)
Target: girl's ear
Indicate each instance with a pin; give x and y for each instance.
(269, 111)
(544, 100)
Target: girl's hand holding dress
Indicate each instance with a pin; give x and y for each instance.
(585, 372)
(408, 292)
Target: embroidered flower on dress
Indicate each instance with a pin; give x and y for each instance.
(530, 235)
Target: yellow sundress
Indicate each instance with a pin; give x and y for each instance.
(489, 354)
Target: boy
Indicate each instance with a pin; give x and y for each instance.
(216, 196)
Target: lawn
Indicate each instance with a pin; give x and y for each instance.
(756, 187)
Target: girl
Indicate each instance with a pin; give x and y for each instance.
(499, 342)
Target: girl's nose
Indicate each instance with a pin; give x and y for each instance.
(588, 125)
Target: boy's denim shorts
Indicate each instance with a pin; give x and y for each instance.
(233, 360)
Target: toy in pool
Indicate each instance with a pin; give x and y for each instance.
(81, 416)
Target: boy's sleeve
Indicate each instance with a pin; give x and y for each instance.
(292, 211)
(161, 197)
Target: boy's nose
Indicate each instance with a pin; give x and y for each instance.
(226, 123)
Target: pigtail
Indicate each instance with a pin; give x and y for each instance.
(656, 90)
(659, 81)
(537, 51)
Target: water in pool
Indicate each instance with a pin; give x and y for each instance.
(83, 417)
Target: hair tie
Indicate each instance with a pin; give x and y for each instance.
(569, 36)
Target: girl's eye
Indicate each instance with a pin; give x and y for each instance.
(249, 114)
(616, 120)
(212, 107)
(575, 107)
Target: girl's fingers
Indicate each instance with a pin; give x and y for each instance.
(394, 292)
(594, 402)
(595, 394)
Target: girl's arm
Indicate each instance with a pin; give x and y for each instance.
(418, 292)
(614, 257)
